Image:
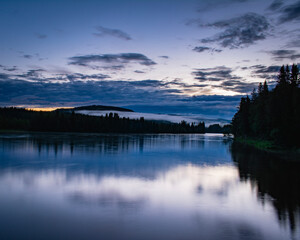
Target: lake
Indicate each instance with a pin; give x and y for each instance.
(161, 186)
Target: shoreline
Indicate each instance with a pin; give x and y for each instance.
(101, 133)
(268, 147)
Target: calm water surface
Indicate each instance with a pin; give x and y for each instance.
(86, 186)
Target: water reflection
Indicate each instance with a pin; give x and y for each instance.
(141, 155)
(275, 179)
(186, 202)
(98, 143)
(138, 187)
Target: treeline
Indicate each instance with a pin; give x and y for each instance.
(58, 121)
(272, 115)
(217, 128)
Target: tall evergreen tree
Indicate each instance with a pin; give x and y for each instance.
(282, 78)
(287, 73)
(253, 95)
(260, 89)
(295, 75)
(265, 88)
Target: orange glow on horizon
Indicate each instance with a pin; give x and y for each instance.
(46, 109)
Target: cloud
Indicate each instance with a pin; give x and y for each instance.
(41, 36)
(239, 32)
(212, 5)
(116, 61)
(238, 86)
(16, 92)
(137, 71)
(214, 74)
(28, 56)
(36, 75)
(280, 55)
(102, 31)
(165, 57)
(38, 87)
(262, 69)
(85, 77)
(223, 77)
(262, 72)
(4, 76)
(12, 69)
(147, 83)
(294, 42)
(144, 95)
(109, 67)
(275, 5)
(290, 13)
(201, 49)
(9, 69)
(293, 38)
(33, 74)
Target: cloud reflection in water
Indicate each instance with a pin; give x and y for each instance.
(185, 201)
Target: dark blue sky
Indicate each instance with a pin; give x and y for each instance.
(159, 55)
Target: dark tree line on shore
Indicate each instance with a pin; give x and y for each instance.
(58, 121)
(217, 128)
(272, 115)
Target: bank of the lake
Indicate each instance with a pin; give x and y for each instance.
(269, 146)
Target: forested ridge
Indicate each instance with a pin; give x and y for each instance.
(96, 107)
(272, 115)
(59, 121)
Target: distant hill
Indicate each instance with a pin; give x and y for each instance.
(96, 107)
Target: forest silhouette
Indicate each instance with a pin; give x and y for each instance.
(60, 121)
(272, 115)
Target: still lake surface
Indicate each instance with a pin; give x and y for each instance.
(164, 186)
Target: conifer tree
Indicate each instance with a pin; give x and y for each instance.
(253, 95)
(265, 88)
(282, 78)
(295, 75)
(260, 89)
(287, 73)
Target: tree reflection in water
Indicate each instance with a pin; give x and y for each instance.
(274, 178)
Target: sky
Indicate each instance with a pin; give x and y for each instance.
(158, 56)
